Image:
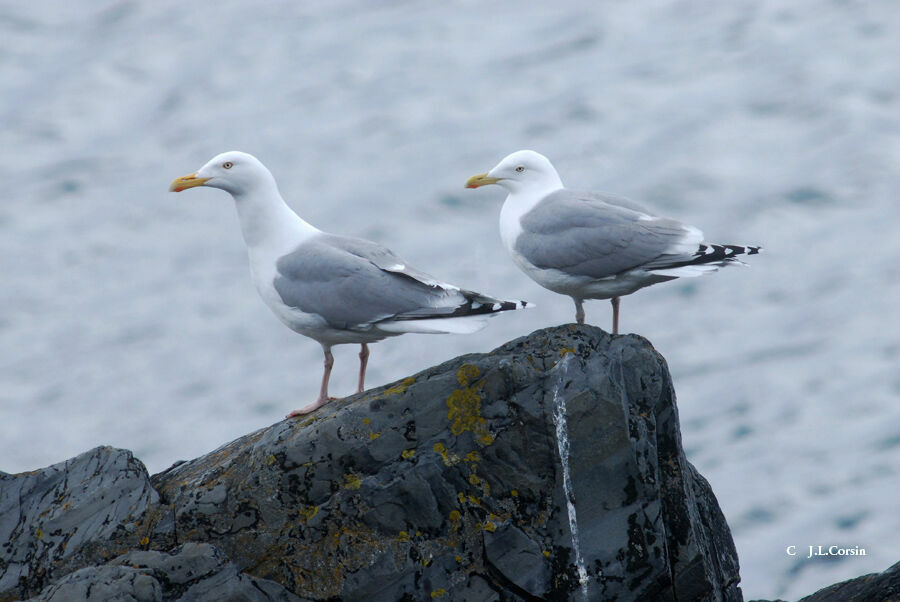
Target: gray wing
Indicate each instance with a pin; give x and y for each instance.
(382, 257)
(598, 235)
(341, 280)
(610, 199)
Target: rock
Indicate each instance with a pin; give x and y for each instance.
(450, 483)
(875, 587)
(70, 515)
(193, 572)
(550, 468)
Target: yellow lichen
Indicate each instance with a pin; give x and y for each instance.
(448, 458)
(454, 515)
(438, 592)
(145, 540)
(465, 410)
(308, 512)
(467, 373)
(546, 553)
(464, 406)
(352, 481)
(308, 421)
(566, 350)
(514, 493)
(271, 459)
(406, 454)
(473, 456)
(490, 526)
(366, 420)
(374, 436)
(478, 482)
(403, 536)
(399, 388)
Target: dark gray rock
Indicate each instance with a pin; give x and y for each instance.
(876, 587)
(550, 468)
(450, 483)
(193, 572)
(104, 583)
(72, 514)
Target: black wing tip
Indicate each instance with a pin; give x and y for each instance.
(511, 305)
(715, 253)
(472, 307)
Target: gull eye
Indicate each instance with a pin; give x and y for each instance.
(520, 168)
(228, 165)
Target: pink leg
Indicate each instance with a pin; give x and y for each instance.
(579, 311)
(323, 392)
(363, 362)
(615, 304)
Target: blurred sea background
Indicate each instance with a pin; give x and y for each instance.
(127, 315)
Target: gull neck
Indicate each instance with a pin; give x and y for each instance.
(267, 220)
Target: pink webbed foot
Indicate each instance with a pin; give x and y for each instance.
(308, 409)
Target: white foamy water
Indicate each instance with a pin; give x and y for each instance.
(127, 316)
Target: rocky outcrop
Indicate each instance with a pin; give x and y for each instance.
(876, 587)
(550, 468)
(193, 571)
(70, 515)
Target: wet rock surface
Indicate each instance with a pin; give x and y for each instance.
(550, 468)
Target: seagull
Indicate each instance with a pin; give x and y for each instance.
(593, 245)
(334, 289)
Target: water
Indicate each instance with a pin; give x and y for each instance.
(560, 421)
(127, 316)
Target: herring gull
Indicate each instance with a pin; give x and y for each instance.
(334, 289)
(593, 245)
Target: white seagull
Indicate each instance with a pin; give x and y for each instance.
(331, 288)
(593, 245)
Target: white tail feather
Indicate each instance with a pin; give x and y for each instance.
(457, 325)
(687, 271)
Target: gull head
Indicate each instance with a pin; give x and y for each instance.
(234, 172)
(522, 171)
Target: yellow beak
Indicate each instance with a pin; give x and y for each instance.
(185, 182)
(481, 179)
